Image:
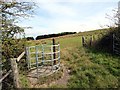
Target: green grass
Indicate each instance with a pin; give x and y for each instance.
(89, 68)
(92, 69)
(24, 81)
(70, 42)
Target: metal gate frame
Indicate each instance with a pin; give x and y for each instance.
(40, 50)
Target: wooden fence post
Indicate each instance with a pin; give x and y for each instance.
(113, 42)
(83, 41)
(93, 38)
(98, 36)
(15, 72)
(0, 74)
(54, 55)
(0, 61)
(90, 40)
(43, 54)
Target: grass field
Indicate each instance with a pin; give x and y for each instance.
(89, 68)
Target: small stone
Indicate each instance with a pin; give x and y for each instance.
(68, 71)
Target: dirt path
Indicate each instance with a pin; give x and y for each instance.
(64, 79)
(60, 82)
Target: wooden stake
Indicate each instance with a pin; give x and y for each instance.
(0, 71)
(113, 42)
(54, 55)
(90, 40)
(83, 41)
(15, 73)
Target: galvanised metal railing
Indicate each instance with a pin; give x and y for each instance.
(43, 55)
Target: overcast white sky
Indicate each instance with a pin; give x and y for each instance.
(54, 16)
